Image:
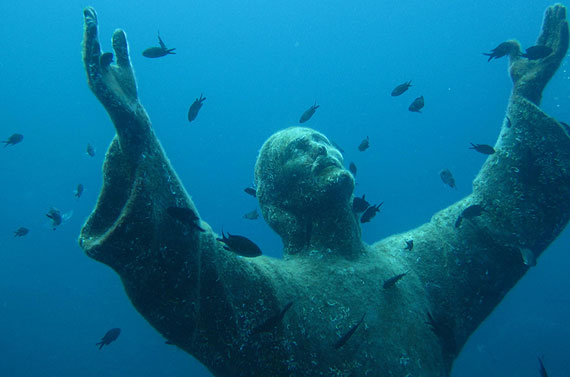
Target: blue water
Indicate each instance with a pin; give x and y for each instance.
(260, 64)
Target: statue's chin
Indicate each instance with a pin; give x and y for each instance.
(334, 186)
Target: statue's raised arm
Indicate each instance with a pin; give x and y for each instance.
(472, 253)
(333, 306)
(147, 229)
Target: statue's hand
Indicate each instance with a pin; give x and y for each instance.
(531, 76)
(114, 84)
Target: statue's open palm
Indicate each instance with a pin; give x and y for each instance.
(113, 84)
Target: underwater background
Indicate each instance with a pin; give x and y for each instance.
(260, 63)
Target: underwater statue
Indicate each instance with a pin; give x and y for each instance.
(333, 306)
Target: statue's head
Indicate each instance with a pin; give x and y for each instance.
(300, 176)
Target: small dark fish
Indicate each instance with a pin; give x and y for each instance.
(364, 144)
(13, 140)
(251, 191)
(528, 257)
(240, 245)
(348, 334)
(21, 232)
(501, 50)
(409, 245)
(537, 52)
(195, 107)
(541, 368)
(483, 148)
(470, 212)
(370, 213)
(308, 113)
(509, 123)
(337, 147)
(90, 150)
(443, 329)
(185, 216)
(106, 59)
(157, 52)
(272, 321)
(417, 105)
(78, 191)
(447, 178)
(56, 218)
(359, 204)
(109, 337)
(400, 89)
(253, 215)
(388, 283)
(566, 126)
(352, 168)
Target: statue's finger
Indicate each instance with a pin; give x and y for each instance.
(121, 48)
(553, 18)
(91, 47)
(563, 40)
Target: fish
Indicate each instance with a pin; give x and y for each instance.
(337, 147)
(90, 150)
(308, 113)
(253, 215)
(509, 123)
(364, 144)
(443, 329)
(195, 107)
(352, 169)
(13, 140)
(370, 213)
(417, 105)
(409, 245)
(272, 321)
(528, 256)
(541, 368)
(109, 337)
(388, 283)
(400, 89)
(501, 50)
(251, 191)
(21, 232)
(483, 148)
(157, 52)
(447, 178)
(240, 245)
(469, 213)
(106, 59)
(185, 216)
(348, 334)
(78, 191)
(537, 52)
(359, 204)
(56, 218)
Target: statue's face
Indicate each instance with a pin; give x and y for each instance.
(306, 170)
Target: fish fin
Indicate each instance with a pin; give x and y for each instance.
(160, 42)
(170, 50)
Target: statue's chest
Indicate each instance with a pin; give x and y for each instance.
(345, 321)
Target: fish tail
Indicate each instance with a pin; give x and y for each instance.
(100, 344)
